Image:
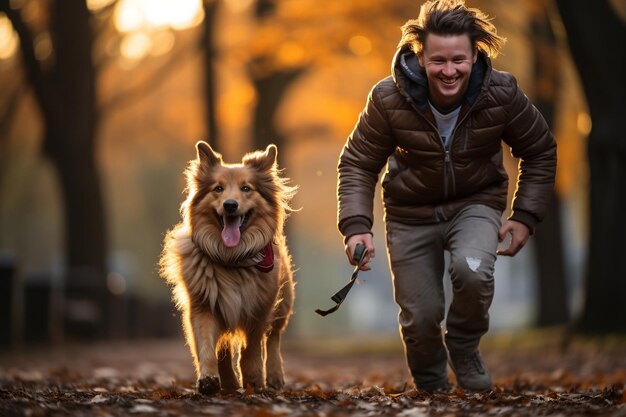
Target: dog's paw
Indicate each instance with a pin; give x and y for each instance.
(230, 387)
(257, 387)
(275, 382)
(208, 385)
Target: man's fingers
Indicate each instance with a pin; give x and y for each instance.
(503, 232)
(506, 252)
(366, 241)
(349, 255)
(519, 236)
(510, 251)
(514, 247)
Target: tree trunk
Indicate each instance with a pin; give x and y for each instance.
(64, 87)
(548, 239)
(270, 92)
(208, 46)
(596, 37)
(71, 125)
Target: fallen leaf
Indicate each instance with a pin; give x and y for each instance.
(143, 408)
(98, 399)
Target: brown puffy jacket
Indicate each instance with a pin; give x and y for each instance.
(426, 183)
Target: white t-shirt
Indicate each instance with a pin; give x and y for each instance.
(445, 123)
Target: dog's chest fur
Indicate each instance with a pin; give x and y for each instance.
(235, 295)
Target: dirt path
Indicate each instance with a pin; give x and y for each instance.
(155, 378)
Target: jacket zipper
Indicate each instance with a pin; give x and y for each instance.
(447, 156)
(447, 160)
(448, 166)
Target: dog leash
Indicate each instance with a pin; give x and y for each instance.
(359, 255)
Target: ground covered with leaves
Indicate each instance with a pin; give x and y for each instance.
(328, 379)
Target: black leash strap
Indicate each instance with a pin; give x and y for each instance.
(339, 296)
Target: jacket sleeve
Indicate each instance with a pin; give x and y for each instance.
(361, 160)
(530, 139)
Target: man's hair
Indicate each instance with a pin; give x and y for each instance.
(452, 17)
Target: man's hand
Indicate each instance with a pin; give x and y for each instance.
(366, 240)
(519, 236)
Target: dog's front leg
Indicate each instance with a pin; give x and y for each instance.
(252, 365)
(274, 365)
(205, 335)
(228, 377)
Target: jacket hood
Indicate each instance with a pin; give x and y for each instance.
(411, 79)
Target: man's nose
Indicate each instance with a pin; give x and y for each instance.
(448, 68)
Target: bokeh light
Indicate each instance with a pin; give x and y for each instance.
(95, 5)
(147, 25)
(8, 38)
(583, 122)
(116, 283)
(137, 15)
(43, 46)
(360, 45)
(135, 46)
(290, 54)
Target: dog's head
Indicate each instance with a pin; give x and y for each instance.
(235, 208)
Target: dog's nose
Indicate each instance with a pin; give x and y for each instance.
(230, 206)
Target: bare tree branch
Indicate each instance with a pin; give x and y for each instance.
(154, 79)
(104, 14)
(7, 118)
(102, 22)
(33, 70)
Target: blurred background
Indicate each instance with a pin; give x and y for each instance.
(102, 101)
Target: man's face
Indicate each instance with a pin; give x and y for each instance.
(448, 62)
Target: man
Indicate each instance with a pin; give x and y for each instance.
(438, 122)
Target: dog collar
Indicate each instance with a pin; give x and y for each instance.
(266, 264)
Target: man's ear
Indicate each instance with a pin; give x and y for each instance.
(420, 58)
(207, 155)
(262, 161)
(475, 56)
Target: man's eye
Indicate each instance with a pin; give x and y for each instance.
(218, 189)
(245, 189)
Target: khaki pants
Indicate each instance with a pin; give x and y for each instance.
(416, 256)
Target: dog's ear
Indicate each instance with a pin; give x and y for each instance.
(207, 155)
(262, 161)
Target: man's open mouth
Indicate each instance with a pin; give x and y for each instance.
(232, 226)
(449, 81)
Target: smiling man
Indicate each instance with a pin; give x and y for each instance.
(438, 123)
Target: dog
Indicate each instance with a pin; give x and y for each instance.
(230, 271)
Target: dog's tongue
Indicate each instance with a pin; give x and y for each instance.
(230, 233)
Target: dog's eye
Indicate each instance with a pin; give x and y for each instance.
(245, 189)
(218, 189)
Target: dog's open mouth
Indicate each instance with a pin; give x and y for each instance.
(231, 228)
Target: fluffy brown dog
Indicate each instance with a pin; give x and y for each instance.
(230, 270)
